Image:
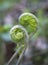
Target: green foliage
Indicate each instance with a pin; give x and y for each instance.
(4, 33)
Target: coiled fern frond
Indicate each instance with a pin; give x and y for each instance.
(29, 21)
(18, 34)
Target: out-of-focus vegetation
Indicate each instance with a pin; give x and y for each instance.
(10, 11)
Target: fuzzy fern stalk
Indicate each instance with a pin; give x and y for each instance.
(29, 21)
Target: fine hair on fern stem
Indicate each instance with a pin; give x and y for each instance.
(21, 56)
(17, 33)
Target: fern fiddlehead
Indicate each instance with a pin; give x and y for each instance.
(29, 21)
(20, 33)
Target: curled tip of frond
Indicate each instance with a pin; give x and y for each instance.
(29, 14)
(17, 33)
(29, 21)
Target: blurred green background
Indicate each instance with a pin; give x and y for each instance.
(10, 10)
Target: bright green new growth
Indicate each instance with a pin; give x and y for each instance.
(20, 33)
(17, 34)
(28, 24)
(29, 21)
